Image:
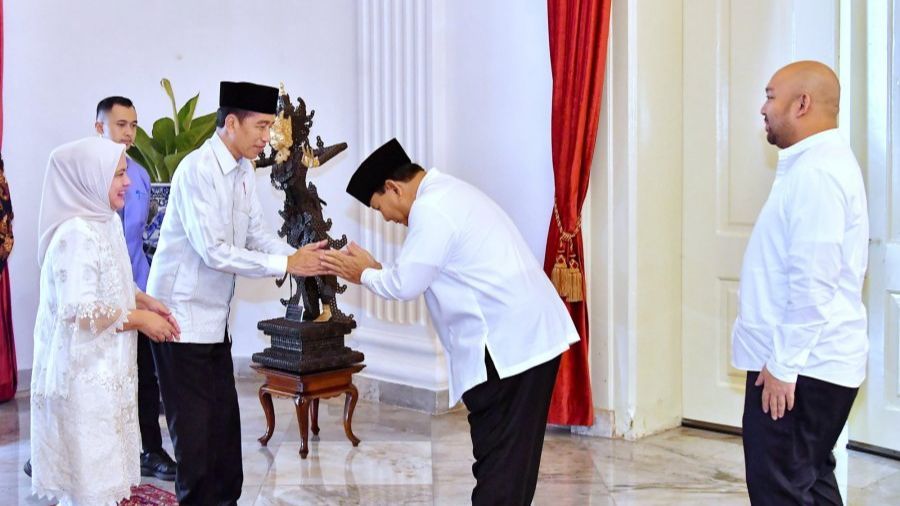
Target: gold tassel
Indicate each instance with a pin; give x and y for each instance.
(576, 282)
(567, 278)
(566, 285)
(559, 275)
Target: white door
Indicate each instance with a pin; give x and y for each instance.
(731, 49)
(876, 415)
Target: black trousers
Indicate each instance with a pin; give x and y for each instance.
(197, 383)
(148, 397)
(789, 461)
(507, 420)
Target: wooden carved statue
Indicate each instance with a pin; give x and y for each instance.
(291, 157)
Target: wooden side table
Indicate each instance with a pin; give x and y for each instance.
(306, 390)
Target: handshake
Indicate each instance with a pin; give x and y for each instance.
(315, 259)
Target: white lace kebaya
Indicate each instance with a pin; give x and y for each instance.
(84, 431)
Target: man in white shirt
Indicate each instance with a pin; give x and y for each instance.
(501, 322)
(801, 327)
(213, 231)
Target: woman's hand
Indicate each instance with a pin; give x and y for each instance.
(158, 328)
(144, 301)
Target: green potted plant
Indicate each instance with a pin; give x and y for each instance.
(172, 139)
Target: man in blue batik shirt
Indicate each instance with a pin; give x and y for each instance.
(117, 121)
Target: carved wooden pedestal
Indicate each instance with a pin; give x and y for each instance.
(306, 390)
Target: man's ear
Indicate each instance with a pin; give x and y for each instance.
(391, 185)
(804, 101)
(98, 126)
(231, 122)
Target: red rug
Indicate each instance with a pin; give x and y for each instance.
(148, 495)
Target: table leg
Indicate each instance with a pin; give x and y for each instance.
(265, 398)
(303, 418)
(315, 417)
(349, 406)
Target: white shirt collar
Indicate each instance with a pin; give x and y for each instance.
(429, 176)
(812, 140)
(226, 160)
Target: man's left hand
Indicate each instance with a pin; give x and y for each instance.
(349, 264)
(777, 395)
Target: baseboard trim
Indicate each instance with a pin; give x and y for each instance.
(377, 390)
(712, 427)
(736, 431)
(242, 370)
(873, 450)
(433, 402)
(604, 425)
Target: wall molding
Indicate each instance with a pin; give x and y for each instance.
(396, 99)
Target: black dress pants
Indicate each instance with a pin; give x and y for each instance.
(148, 397)
(789, 461)
(507, 420)
(197, 383)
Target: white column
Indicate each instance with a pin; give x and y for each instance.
(396, 100)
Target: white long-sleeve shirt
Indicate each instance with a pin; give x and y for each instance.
(213, 230)
(801, 309)
(482, 285)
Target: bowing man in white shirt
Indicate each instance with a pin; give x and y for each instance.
(213, 231)
(501, 322)
(801, 327)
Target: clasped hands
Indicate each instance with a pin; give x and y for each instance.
(315, 259)
(155, 320)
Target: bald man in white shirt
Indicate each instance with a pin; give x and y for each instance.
(501, 322)
(801, 327)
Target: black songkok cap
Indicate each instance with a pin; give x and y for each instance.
(248, 96)
(376, 169)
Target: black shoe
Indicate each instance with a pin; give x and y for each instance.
(27, 467)
(158, 464)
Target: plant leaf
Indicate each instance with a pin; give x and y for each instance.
(152, 158)
(201, 129)
(186, 114)
(164, 136)
(135, 154)
(171, 161)
(168, 87)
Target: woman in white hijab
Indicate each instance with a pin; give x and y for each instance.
(84, 431)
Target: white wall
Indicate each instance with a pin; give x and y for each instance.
(491, 116)
(497, 111)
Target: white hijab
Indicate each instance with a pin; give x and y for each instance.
(76, 184)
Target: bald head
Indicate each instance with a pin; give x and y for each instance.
(802, 99)
(816, 80)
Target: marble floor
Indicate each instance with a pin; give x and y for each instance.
(407, 457)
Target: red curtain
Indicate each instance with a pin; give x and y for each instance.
(579, 31)
(8, 369)
(8, 372)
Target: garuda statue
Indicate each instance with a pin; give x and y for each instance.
(291, 157)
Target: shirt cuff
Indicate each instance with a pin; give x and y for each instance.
(781, 373)
(277, 265)
(368, 276)
(286, 249)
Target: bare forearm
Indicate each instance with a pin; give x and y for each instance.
(135, 321)
(141, 299)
